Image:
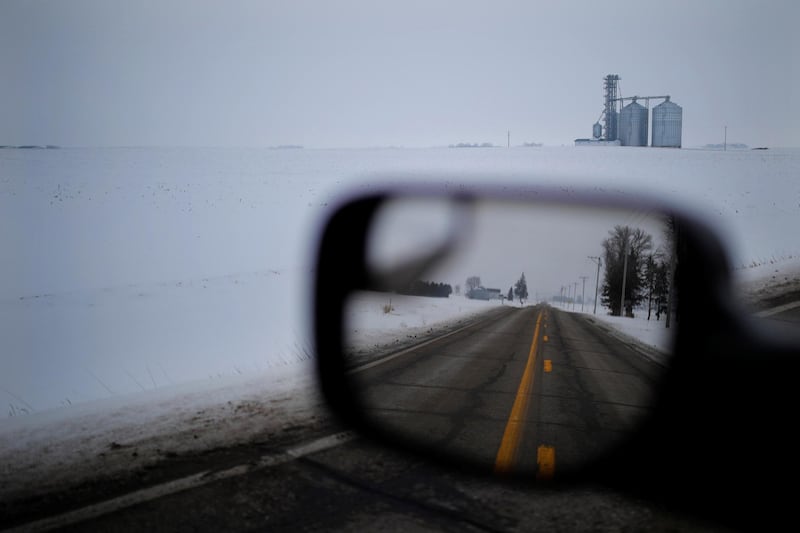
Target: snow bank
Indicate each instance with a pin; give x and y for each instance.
(106, 437)
(651, 334)
(377, 322)
(770, 283)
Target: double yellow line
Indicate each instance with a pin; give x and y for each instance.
(513, 431)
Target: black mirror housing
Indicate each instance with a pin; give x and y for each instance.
(715, 439)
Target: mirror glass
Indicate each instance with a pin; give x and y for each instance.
(531, 341)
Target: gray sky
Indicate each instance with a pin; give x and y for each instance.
(564, 239)
(367, 73)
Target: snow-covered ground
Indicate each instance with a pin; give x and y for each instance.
(378, 321)
(151, 297)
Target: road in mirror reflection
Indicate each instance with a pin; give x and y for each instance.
(527, 376)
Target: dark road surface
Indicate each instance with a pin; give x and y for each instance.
(357, 487)
(531, 389)
(525, 381)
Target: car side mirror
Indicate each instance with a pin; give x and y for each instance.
(525, 376)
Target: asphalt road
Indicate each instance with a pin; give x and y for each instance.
(532, 389)
(358, 487)
(498, 391)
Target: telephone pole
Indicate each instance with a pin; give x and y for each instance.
(597, 260)
(624, 279)
(583, 292)
(575, 294)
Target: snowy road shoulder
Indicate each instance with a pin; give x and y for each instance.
(50, 450)
(379, 323)
(768, 285)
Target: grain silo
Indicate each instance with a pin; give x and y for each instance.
(628, 125)
(633, 125)
(667, 124)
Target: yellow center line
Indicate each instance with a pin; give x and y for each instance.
(513, 433)
(546, 461)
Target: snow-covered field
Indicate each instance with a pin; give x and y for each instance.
(153, 290)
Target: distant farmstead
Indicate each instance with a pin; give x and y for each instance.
(482, 293)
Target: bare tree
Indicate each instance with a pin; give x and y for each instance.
(473, 282)
(625, 257)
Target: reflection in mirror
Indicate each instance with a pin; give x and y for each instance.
(534, 345)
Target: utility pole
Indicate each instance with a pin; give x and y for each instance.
(575, 294)
(583, 292)
(509, 138)
(597, 282)
(624, 279)
(725, 142)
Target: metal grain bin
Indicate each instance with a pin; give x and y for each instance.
(633, 125)
(667, 124)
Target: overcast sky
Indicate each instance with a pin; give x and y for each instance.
(491, 248)
(369, 73)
